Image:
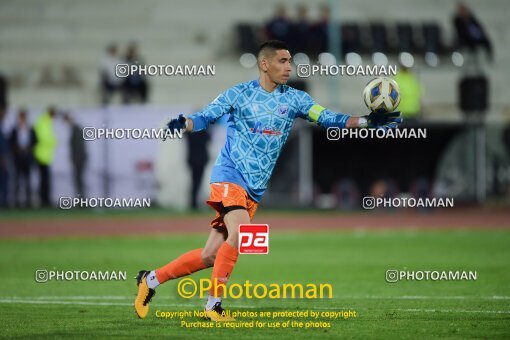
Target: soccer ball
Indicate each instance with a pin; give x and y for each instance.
(382, 95)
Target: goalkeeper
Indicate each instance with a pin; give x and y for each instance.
(260, 116)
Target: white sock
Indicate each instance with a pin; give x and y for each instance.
(152, 280)
(211, 301)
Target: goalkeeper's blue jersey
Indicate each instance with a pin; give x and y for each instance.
(259, 123)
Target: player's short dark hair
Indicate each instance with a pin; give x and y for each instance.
(270, 47)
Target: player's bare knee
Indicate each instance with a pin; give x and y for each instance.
(233, 239)
(208, 257)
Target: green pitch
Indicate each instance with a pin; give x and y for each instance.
(353, 262)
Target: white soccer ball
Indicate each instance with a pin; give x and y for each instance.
(382, 95)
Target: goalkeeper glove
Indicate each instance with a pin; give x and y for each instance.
(383, 121)
(176, 124)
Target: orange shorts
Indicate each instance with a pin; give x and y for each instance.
(226, 197)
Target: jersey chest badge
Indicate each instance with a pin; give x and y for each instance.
(283, 110)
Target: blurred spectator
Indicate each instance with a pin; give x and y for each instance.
(3, 163)
(470, 32)
(506, 139)
(3, 93)
(110, 82)
(22, 142)
(135, 85)
(383, 188)
(346, 193)
(44, 152)
(279, 27)
(320, 31)
(506, 143)
(78, 154)
(300, 37)
(421, 188)
(410, 94)
(197, 160)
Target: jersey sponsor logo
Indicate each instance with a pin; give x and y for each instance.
(258, 128)
(253, 239)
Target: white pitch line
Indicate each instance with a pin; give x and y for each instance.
(84, 303)
(367, 297)
(90, 303)
(72, 297)
(454, 311)
(52, 302)
(422, 297)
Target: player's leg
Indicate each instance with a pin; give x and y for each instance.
(191, 261)
(216, 238)
(185, 264)
(224, 263)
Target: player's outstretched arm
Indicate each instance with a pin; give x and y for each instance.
(313, 112)
(201, 120)
(328, 119)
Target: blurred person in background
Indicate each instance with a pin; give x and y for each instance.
(22, 142)
(300, 37)
(320, 31)
(506, 143)
(470, 33)
(410, 95)
(110, 82)
(347, 194)
(279, 27)
(135, 85)
(44, 153)
(3, 163)
(384, 187)
(3, 93)
(77, 153)
(197, 160)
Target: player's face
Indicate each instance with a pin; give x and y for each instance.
(279, 67)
